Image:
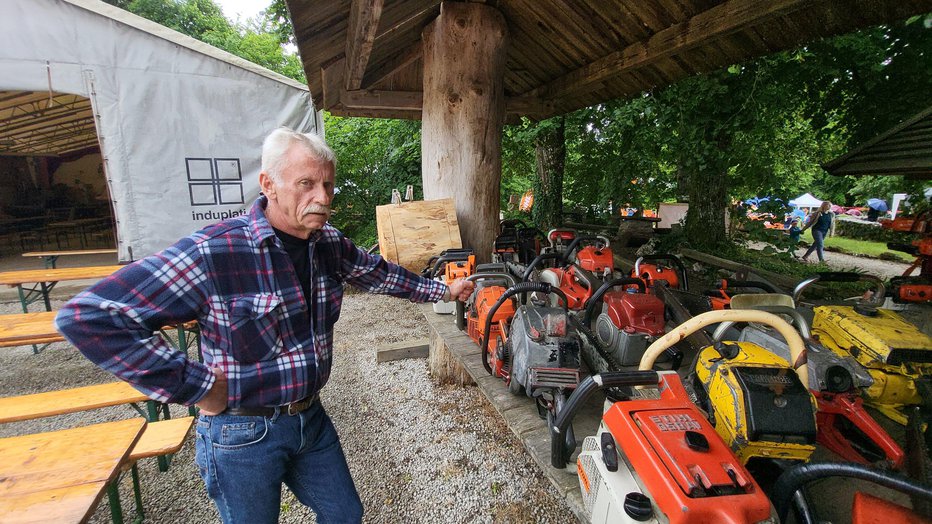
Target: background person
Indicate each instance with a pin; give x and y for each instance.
(820, 222)
(266, 289)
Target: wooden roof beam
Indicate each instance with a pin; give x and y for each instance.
(724, 19)
(363, 23)
(390, 67)
(379, 100)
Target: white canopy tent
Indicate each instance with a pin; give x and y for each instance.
(179, 123)
(806, 201)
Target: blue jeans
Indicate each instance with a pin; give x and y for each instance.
(244, 460)
(818, 241)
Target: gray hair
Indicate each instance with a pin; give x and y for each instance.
(276, 145)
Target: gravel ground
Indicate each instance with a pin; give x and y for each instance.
(418, 452)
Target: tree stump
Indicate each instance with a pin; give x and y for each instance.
(442, 364)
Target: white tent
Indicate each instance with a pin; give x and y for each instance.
(806, 200)
(179, 123)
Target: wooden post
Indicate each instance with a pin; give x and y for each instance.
(463, 115)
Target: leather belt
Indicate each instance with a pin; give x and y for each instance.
(288, 409)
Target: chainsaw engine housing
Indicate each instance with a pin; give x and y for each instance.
(544, 351)
(628, 324)
(672, 467)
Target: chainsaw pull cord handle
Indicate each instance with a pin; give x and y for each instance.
(577, 240)
(795, 342)
(796, 478)
(536, 262)
(589, 385)
(521, 287)
(840, 276)
(684, 283)
(596, 297)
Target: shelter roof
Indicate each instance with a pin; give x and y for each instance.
(363, 58)
(906, 149)
(52, 123)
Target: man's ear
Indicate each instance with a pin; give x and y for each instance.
(267, 185)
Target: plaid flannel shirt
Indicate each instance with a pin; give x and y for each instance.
(237, 281)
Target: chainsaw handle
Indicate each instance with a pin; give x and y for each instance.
(597, 296)
(669, 258)
(796, 478)
(576, 241)
(795, 342)
(521, 287)
(589, 385)
(510, 280)
(794, 315)
(840, 276)
(536, 262)
(558, 230)
(511, 222)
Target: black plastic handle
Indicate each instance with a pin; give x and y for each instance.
(839, 276)
(748, 284)
(536, 262)
(559, 455)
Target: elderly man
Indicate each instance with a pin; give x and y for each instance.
(266, 289)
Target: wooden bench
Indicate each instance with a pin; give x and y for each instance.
(44, 281)
(161, 439)
(39, 405)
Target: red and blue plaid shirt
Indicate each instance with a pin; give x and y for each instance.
(237, 281)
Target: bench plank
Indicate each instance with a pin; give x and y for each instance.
(162, 438)
(38, 405)
(21, 329)
(70, 252)
(16, 278)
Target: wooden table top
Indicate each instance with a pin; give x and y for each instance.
(60, 476)
(15, 278)
(21, 329)
(70, 252)
(51, 403)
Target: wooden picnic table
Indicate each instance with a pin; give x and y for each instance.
(23, 329)
(51, 257)
(52, 403)
(60, 476)
(44, 281)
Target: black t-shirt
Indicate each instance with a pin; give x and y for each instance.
(297, 249)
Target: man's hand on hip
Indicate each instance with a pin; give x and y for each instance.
(459, 289)
(215, 401)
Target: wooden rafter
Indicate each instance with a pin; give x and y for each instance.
(363, 23)
(397, 63)
(721, 20)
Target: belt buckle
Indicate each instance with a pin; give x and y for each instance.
(293, 409)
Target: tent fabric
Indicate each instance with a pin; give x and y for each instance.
(180, 123)
(806, 200)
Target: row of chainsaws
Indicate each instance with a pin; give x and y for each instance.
(714, 400)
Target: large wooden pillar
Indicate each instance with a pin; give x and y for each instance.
(463, 115)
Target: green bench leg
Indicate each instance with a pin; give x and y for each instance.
(113, 495)
(137, 494)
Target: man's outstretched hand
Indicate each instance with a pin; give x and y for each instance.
(459, 289)
(215, 401)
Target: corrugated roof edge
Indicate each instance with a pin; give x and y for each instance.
(165, 33)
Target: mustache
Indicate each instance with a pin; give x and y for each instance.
(316, 209)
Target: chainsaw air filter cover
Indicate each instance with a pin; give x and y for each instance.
(685, 468)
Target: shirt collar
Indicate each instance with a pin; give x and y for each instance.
(260, 227)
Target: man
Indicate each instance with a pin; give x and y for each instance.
(266, 290)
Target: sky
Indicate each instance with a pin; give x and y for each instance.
(242, 9)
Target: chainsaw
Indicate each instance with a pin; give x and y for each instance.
(897, 354)
(473, 315)
(908, 288)
(650, 269)
(655, 458)
(537, 353)
(844, 425)
(759, 403)
(454, 264)
(516, 242)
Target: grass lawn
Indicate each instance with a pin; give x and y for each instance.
(860, 247)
